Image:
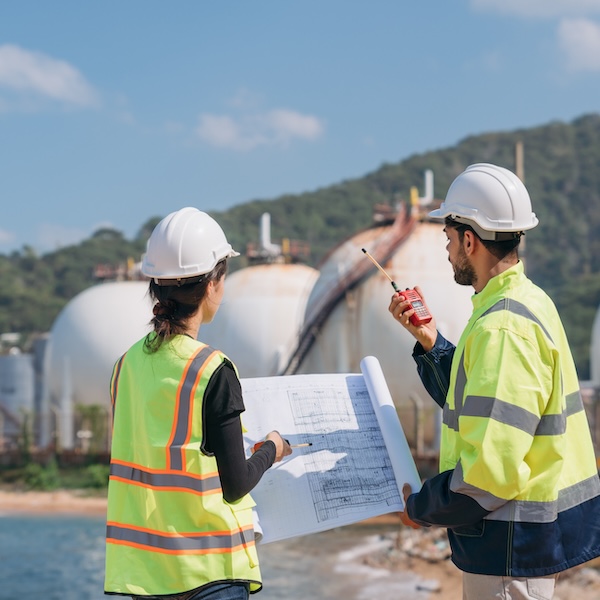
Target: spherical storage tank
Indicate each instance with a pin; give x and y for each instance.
(92, 331)
(260, 316)
(361, 323)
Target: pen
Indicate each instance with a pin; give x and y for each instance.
(259, 444)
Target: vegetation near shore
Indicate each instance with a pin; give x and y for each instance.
(49, 476)
(562, 173)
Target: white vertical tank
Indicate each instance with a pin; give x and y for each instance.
(16, 394)
(261, 314)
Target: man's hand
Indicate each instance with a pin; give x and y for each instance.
(400, 309)
(406, 492)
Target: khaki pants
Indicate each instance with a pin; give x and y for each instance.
(491, 587)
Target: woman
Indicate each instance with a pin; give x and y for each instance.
(179, 521)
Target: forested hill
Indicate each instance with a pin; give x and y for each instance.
(561, 171)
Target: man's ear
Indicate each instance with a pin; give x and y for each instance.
(469, 242)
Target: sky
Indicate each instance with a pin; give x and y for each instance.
(114, 112)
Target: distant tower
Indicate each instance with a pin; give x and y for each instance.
(267, 246)
(419, 202)
(520, 172)
(519, 168)
(428, 197)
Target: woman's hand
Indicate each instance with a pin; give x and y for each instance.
(282, 446)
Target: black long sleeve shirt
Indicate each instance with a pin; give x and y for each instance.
(223, 438)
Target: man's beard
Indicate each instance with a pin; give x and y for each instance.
(464, 273)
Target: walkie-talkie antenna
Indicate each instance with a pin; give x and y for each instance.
(381, 269)
(421, 314)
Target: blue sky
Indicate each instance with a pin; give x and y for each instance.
(115, 112)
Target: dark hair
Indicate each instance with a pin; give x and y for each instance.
(175, 304)
(500, 249)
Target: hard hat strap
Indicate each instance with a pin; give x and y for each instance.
(180, 280)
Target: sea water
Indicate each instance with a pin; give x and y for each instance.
(62, 558)
(51, 558)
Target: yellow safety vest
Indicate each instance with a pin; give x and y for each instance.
(514, 426)
(169, 530)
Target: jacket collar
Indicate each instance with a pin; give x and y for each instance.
(497, 285)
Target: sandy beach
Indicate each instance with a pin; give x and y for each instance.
(59, 501)
(424, 552)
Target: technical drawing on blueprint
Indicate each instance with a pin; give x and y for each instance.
(356, 464)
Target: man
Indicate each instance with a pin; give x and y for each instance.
(518, 487)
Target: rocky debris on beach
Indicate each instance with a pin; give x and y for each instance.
(430, 545)
(402, 549)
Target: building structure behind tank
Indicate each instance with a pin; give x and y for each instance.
(91, 332)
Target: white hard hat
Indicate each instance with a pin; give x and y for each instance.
(491, 199)
(186, 243)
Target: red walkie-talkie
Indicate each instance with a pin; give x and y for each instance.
(421, 314)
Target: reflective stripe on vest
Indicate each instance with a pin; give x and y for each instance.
(179, 543)
(182, 426)
(527, 511)
(165, 480)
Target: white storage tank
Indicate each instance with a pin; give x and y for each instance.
(361, 324)
(261, 314)
(88, 336)
(17, 393)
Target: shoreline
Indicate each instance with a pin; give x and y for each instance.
(48, 503)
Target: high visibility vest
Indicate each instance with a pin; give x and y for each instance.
(169, 530)
(514, 427)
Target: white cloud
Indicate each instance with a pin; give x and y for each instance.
(278, 127)
(221, 131)
(51, 236)
(245, 99)
(580, 41)
(6, 237)
(25, 72)
(539, 8)
(287, 124)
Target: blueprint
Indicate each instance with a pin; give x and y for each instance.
(356, 464)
